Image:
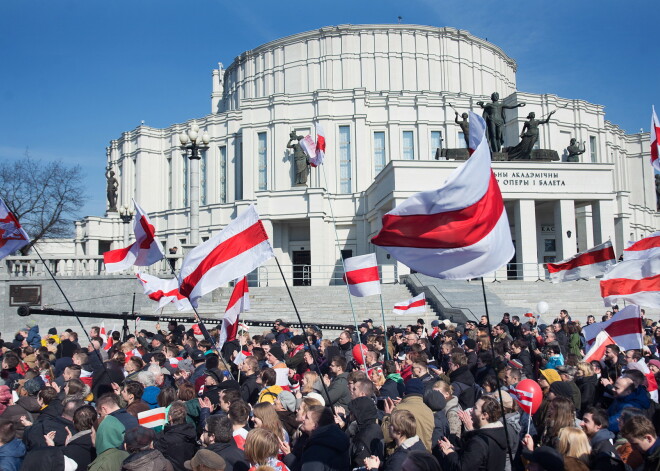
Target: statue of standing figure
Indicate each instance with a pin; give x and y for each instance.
(494, 117)
(574, 151)
(465, 127)
(300, 158)
(528, 137)
(111, 189)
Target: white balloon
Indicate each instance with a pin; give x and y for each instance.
(542, 307)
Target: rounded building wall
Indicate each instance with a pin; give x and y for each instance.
(372, 57)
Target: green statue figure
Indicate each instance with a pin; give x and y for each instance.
(574, 151)
(494, 117)
(465, 127)
(528, 137)
(300, 158)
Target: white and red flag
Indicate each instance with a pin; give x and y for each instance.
(163, 291)
(600, 343)
(239, 301)
(234, 252)
(315, 150)
(362, 275)
(458, 231)
(625, 328)
(655, 140)
(634, 281)
(416, 305)
(145, 251)
(643, 248)
(593, 262)
(12, 236)
(524, 398)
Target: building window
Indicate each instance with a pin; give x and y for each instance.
(461, 141)
(238, 169)
(593, 148)
(263, 161)
(379, 151)
(185, 181)
(202, 178)
(169, 183)
(222, 197)
(408, 146)
(344, 159)
(436, 142)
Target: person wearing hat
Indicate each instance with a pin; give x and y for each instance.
(295, 358)
(544, 458)
(109, 445)
(218, 438)
(567, 375)
(27, 405)
(205, 460)
(199, 361)
(139, 443)
(285, 406)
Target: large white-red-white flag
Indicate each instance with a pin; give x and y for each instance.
(460, 230)
(12, 236)
(315, 150)
(239, 301)
(416, 305)
(634, 281)
(598, 347)
(593, 262)
(163, 291)
(145, 251)
(624, 327)
(655, 140)
(234, 252)
(362, 275)
(643, 248)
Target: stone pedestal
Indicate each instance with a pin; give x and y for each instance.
(455, 154)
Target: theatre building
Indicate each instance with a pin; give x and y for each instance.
(386, 97)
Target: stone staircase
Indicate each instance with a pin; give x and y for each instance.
(463, 300)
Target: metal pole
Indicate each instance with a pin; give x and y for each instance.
(382, 311)
(194, 197)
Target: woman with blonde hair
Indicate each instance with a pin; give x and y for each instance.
(573, 442)
(308, 380)
(587, 381)
(451, 409)
(265, 416)
(261, 449)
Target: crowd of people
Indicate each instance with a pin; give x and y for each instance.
(416, 398)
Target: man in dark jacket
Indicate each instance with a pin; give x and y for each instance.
(402, 429)
(484, 447)
(109, 405)
(365, 433)
(217, 437)
(328, 447)
(337, 385)
(178, 440)
(249, 387)
(49, 420)
(80, 447)
(643, 438)
(139, 443)
(462, 380)
(603, 453)
(520, 352)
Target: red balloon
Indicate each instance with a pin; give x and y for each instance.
(357, 353)
(528, 395)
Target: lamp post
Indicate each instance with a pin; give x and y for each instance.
(126, 215)
(191, 141)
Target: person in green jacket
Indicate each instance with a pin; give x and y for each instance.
(108, 440)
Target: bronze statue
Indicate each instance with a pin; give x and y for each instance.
(494, 117)
(300, 158)
(528, 137)
(111, 190)
(574, 151)
(465, 128)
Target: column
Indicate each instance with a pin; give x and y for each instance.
(565, 233)
(321, 247)
(585, 228)
(603, 216)
(526, 247)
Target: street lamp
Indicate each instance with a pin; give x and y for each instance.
(191, 141)
(126, 214)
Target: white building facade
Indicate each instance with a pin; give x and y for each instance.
(385, 96)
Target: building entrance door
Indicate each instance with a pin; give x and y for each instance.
(302, 268)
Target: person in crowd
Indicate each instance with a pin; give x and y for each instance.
(143, 456)
(178, 440)
(643, 437)
(217, 437)
(402, 428)
(12, 449)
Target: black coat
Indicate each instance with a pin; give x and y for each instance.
(463, 383)
(587, 386)
(326, 450)
(365, 434)
(396, 459)
(482, 450)
(392, 389)
(525, 358)
(81, 450)
(250, 389)
(50, 419)
(177, 443)
(437, 402)
(234, 457)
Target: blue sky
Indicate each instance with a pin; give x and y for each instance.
(76, 74)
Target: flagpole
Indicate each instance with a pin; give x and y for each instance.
(302, 326)
(529, 419)
(382, 311)
(497, 378)
(343, 265)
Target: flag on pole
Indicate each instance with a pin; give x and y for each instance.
(362, 275)
(458, 231)
(239, 301)
(12, 236)
(644, 248)
(238, 249)
(315, 150)
(163, 291)
(597, 350)
(593, 262)
(416, 305)
(145, 251)
(625, 328)
(634, 281)
(655, 140)
(523, 397)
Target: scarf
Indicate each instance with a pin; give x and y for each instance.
(395, 377)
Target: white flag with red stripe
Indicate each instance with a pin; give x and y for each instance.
(644, 248)
(416, 305)
(238, 249)
(163, 291)
(239, 301)
(524, 398)
(655, 140)
(593, 262)
(315, 150)
(459, 231)
(154, 418)
(145, 251)
(625, 328)
(599, 346)
(362, 275)
(12, 236)
(634, 281)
